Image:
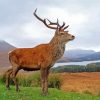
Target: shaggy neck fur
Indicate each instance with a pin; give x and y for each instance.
(57, 47)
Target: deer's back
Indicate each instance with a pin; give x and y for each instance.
(31, 57)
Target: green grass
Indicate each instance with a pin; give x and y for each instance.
(34, 93)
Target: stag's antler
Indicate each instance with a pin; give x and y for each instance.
(44, 21)
(50, 23)
(65, 27)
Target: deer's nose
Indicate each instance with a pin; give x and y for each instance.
(73, 36)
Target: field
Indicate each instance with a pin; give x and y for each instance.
(33, 93)
(74, 86)
(81, 82)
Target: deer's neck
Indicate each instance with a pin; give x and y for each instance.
(57, 48)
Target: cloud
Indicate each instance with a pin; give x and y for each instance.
(20, 28)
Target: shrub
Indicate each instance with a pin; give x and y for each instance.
(87, 92)
(34, 80)
(2, 79)
(29, 80)
(54, 81)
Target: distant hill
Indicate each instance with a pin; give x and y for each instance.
(94, 64)
(4, 46)
(4, 49)
(78, 55)
(94, 56)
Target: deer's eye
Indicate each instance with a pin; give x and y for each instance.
(62, 33)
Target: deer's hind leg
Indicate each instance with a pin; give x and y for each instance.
(14, 73)
(7, 75)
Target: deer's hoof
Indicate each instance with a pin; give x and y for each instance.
(44, 94)
(8, 88)
(18, 90)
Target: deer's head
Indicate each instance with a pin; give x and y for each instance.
(61, 34)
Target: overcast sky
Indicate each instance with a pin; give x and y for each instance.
(20, 28)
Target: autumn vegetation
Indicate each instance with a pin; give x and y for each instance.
(66, 84)
(84, 82)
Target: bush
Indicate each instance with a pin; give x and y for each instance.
(54, 81)
(2, 79)
(28, 80)
(34, 80)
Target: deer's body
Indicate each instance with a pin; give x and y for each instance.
(41, 57)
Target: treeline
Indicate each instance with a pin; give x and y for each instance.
(93, 67)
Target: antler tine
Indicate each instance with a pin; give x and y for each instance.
(37, 16)
(65, 27)
(49, 25)
(35, 10)
(62, 25)
(43, 20)
(57, 24)
(52, 23)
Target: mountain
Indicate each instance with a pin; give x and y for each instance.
(4, 49)
(94, 56)
(75, 55)
(4, 46)
(78, 55)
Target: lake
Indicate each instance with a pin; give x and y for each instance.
(76, 63)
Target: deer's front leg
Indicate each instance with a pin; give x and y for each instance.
(43, 80)
(46, 81)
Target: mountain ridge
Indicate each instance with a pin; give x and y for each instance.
(5, 47)
(74, 55)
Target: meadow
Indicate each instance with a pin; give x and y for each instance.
(85, 82)
(33, 93)
(62, 86)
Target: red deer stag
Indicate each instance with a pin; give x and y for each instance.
(41, 57)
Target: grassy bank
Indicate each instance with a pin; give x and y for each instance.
(34, 93)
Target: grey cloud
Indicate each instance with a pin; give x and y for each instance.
(15, 13)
